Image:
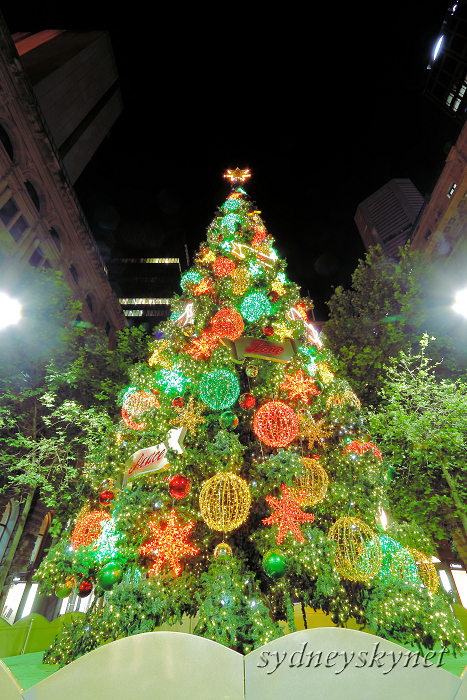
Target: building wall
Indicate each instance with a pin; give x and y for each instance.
(74, 77)
(50, 229)
(440, 232)
(386, 217)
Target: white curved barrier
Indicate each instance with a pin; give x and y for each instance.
(9, 687)
(325, 663)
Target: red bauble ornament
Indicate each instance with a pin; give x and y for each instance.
(84, 589)
(88, 529)
(179, 486)
(223, 266)
(268, 330)
(227, 323)
(275, 424)
(106, 497)
(178, 401)
(247, 401)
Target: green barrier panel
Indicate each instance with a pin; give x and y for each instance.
(30, 634)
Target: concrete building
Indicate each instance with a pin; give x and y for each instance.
(386, 217)
(440, 232)
(446, 83)
(59, 96)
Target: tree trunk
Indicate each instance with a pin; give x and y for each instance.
(455, 495)
(14, 545)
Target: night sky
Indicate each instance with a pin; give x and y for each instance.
(324, 108)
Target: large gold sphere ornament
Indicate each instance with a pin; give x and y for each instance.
(426, 569)
(358, 555)
(313, 481)
(224, 501)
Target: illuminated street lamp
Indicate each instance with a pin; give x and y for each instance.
(10, 311)
(460, 305)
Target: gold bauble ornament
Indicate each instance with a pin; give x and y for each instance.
(222, 550)
(358, 554)
(426, 569)
(224, 501)
(313, 481)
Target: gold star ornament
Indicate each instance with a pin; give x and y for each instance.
(237, 176)
(313, 431)
(188, 417)
(157, 357)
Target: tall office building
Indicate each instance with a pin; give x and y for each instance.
(446, 83)
(387, 216)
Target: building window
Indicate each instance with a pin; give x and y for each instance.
(55, 238)
(32, 192)
(74, 273)
(15, 224)
(451, 190)
(6, 142)
(36, 258)
(108, 328)
(40, 540)
(7, 523)
(89, 302)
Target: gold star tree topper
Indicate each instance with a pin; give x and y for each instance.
(237, 176)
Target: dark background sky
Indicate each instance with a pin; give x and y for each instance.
(324, 104)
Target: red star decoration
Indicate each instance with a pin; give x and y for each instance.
(362, 447)
(204, 287)
(299, 386)
(288, 514)
(201, 348)
(168, 544)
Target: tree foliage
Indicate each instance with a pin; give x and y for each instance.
(421, 426)
(58, 383)
(390, 305)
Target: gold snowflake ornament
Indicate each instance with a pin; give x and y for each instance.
(188, 417)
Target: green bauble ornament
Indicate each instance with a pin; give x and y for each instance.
(62, 591)
(219, 389)
(109, 575)
(274, 564)
(228, 419)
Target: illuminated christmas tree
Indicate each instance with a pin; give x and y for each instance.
(243, 480)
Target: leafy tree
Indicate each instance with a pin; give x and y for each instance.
(421, 426)
(57, 382)
(390, 305)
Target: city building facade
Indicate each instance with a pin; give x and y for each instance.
(59, 97)
(387, 216)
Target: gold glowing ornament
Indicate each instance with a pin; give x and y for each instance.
(325, 373)
(237, 176)
(278, 287)
(340, 399)
(313, 431)
(224, 501)
(358, 555)
(426, 570)
(157, 357)
(282, 331)
(241, 280)
(188, 416)
(313, 482)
